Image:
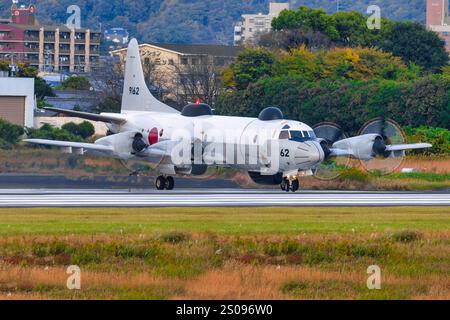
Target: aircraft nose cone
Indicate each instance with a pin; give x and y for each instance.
(309, 154)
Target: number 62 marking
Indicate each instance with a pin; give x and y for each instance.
(284, 153)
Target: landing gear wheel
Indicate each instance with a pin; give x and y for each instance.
(170, 183)
(295, 185)
(288, 185)
(160, 183)
(283, 185)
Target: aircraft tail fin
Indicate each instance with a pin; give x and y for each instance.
(136, 96)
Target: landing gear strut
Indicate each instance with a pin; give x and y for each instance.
(162, 183)
(290, 185)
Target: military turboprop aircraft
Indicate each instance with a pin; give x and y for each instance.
(273, 150)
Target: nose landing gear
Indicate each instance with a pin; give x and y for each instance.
(290, 185)
(167, 183)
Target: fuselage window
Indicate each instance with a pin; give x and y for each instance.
(284, 135)
(305, 134)
(312, 134)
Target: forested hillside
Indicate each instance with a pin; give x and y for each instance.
(194, 21)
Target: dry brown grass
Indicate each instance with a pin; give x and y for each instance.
(22, 282)
(216, 261)
(237, 281)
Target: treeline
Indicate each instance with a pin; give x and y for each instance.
(346, 79)
(316, 29)
(347, 103)
(194, 21)
(11, 134)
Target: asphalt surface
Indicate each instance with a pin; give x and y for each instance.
(213, 197)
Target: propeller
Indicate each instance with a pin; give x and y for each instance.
(331, 167)
(389, 133)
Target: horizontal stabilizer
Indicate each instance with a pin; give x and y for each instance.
(110, 118)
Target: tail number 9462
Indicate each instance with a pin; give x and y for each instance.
(134, 91)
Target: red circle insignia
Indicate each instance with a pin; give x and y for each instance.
(153, 136)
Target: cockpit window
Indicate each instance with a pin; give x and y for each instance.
(284, 135)
(296, 135)
(301, 136)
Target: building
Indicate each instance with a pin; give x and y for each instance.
(49, 48)
(171, 66)
(17, 100)
(253, 24)
(438, 19)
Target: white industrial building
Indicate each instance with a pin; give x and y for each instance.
(17, 100)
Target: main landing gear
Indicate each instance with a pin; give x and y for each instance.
(167, 183)
(290, 185)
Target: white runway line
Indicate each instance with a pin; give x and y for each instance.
(230, 198)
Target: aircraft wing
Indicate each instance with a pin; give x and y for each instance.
(116, 146)
(401, 147)
(395, 150)
(68, 144)
(111, 118)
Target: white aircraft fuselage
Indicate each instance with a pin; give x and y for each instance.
(244, 137)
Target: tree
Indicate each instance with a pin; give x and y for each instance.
(9, 134)
(47, 131)
(84, 130)
(293, 38)
(76, 83)
(413, 43)
(199, 81)
(158, 77)
(251, 65)
(108, 82)
(307, 18)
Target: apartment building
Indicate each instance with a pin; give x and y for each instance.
(172, 65)
(253, 24)
(47, 47)
(438, 19)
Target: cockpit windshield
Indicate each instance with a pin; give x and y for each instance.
(297, 135)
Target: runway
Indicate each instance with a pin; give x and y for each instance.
(15, 198)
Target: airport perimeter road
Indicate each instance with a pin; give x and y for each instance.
(201, 198)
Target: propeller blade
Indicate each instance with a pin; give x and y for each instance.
(390, 133)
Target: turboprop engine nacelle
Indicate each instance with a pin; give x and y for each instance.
(124, 144)
(365, 147)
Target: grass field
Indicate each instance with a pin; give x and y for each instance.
(225, 253)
